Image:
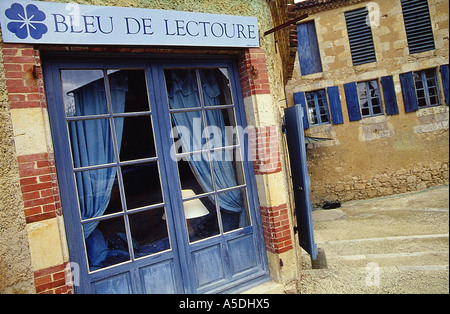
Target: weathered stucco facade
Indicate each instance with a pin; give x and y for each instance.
(33, 243)
(380, 155)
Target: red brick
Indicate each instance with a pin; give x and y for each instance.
(13, 67)
(49, 270)
(32, 172)
(33, 211)
(32, 157)
(36, 187)
(39, 201)
(31, 196)
(28, 181)
(15, 59)
(40, 217)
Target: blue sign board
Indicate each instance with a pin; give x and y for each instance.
(39, 22)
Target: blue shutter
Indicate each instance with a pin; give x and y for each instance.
(351, 96)
(300, 178)
(308, 49)
(409, 92)
(444, 76)
(299, 99)
(390, 97)
(335, 105)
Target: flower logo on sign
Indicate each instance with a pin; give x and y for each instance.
(26, 21)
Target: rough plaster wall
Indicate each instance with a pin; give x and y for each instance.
(16, 275)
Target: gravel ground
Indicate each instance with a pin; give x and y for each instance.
(396, 245)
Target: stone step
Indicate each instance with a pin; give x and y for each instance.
(387, 251)
(372, 279)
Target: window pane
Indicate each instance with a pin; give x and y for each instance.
(128, 91)
(234, 209)
(220, 131)
(182, 88)
(365, 112)
(107, 244)
(137, 137)
(149, 232)
(188, 131)
(216, 87)
(377, 110)
(142, 185)
(227, 168)
(195, 173)
(84, 92)
(362, 91)
(201, 216)
(97, 192)
(91, 142)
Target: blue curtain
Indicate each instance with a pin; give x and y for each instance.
(183, 94)
(92, 144)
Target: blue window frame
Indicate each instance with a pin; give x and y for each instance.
(142, 216)
(317, 107)
(369, 98)
(427, 88)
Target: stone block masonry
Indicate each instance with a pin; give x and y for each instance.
(417, 177)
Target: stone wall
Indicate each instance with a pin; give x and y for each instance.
(417, 177)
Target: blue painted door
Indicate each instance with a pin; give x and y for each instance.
(300, 179)
(157, 192)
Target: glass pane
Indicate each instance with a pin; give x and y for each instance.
(91, 142)
(84, 92)
(201, 216)
(106, 244)
(234, 209)
(312, 115)
(195, 173)
(377, 110)
(216, 87)
(365, 112)
(188, 131)
(227, 168)
(182, 88)
(137, 137)
(362, 91)
(142, 185)
(128, 91)
(220, 131)
(98, 193)
(149, 232)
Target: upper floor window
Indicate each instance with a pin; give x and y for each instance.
(419, 32)
(360, 36)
